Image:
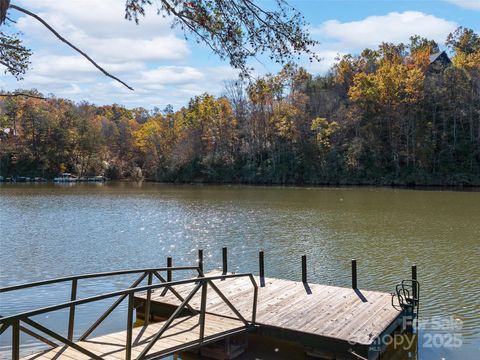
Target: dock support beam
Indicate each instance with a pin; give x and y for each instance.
(224, 261)
(304, 269)
(354, 274)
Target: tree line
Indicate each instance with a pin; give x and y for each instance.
(392, 115)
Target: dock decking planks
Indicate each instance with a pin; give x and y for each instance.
(355, 316)
(320, 311)
(184, 332)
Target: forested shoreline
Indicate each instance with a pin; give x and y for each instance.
(398, 115)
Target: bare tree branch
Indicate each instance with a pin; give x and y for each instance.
(35, 16)
(11, 47)
(237, 30)
(24, 95)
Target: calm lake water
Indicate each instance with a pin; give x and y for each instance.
(50, 230)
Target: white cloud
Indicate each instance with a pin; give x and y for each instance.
(65, 65)
(394, 27)
(125, 49)
(339, 38)
(467, 4)
(328, 59)
(170, 75)
(156, 86)
(98, 27)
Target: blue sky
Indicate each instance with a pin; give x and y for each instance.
(165, 69)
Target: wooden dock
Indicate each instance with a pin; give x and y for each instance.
(327, 320)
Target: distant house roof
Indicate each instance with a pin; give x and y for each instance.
(439, 62)
(440, 54)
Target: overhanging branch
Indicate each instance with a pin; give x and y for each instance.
(12, 47)
(24, 95)
(35, 16)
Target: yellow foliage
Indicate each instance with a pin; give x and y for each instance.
(392, 84)
(324, 131)
(283, 119)
(469, 62)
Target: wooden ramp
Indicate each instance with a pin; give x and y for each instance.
(182, 335)
(319, 314)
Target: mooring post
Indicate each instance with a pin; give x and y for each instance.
(261, 265)
(354, 274)
(200, 260)
(169, 272)
(304, 268)
(224, 261)
(414, 284)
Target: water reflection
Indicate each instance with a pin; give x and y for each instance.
(49, 230)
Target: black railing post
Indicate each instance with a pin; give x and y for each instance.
(128, 345)
(146, 315)
(414, 282)
(16, 340)
(200, 259)
(203, 309)
(169, 275)
(224, 261)
(255, 299)
(71, 317)
(261, 265)
(169, 272)
(304, 269)
(354, 274)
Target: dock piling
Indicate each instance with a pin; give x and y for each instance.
(224, 261)
(261, 265)
(304, 269)
(200, 259)
(354, 274)
(414, 278)
(169, 272)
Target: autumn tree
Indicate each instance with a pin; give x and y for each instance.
(378, 117)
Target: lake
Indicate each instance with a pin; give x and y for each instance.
(52, 230)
